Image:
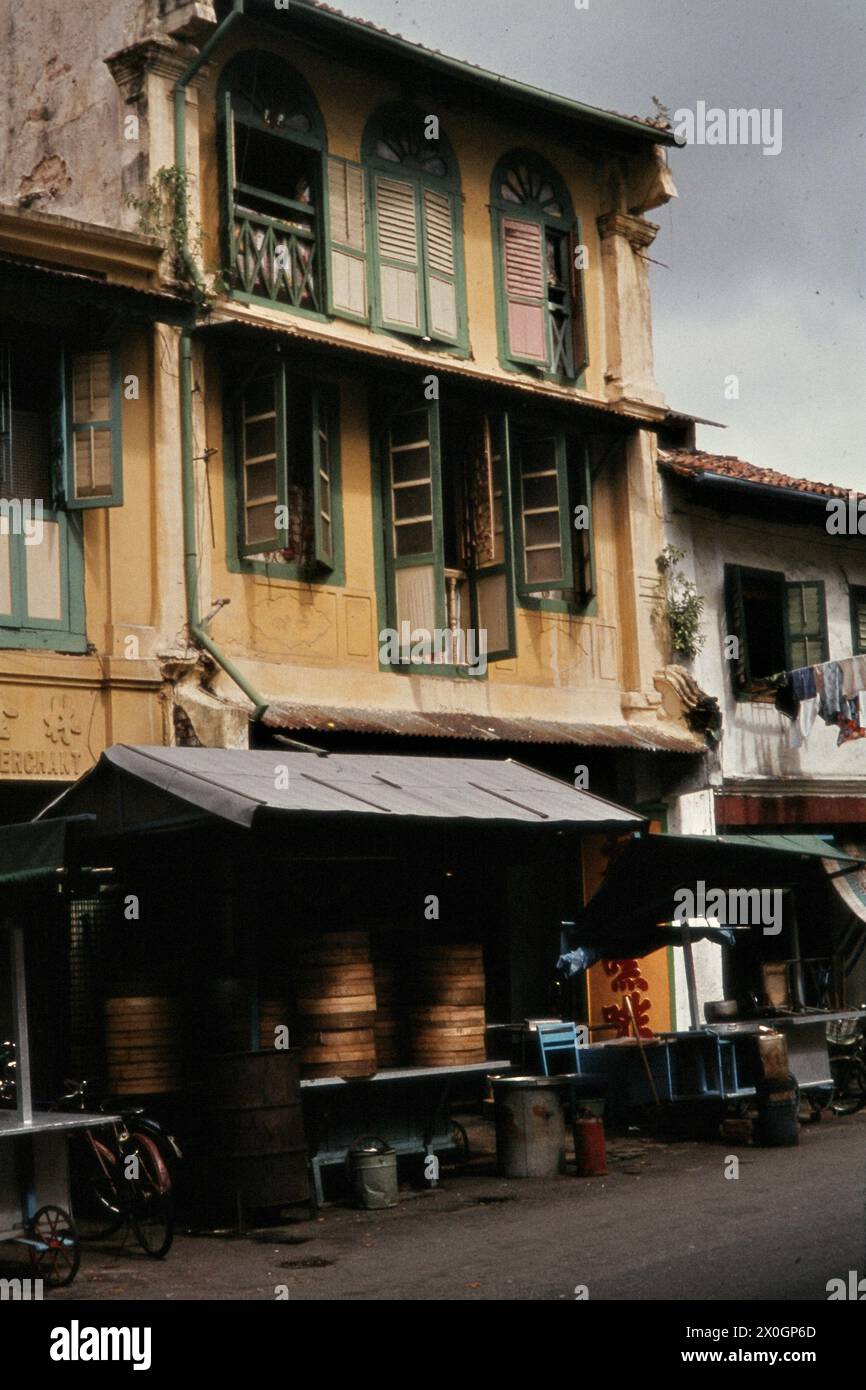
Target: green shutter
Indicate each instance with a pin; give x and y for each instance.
(544, 545)
(491, 574)
(93, 466)
(412, 505)
(439, 224)
(262, 446)
(227, 184)
(325, 425)
(806, 641)
(398, 246)
(584, 549)
(741, 674)
(578, 306)
(858, 620)
(347, 234)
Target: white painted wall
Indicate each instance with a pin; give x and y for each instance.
(755, 737)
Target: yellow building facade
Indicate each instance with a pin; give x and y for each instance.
(357, 425)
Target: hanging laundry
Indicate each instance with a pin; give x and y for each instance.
(853, 670)
(829, 691)
(801, 727)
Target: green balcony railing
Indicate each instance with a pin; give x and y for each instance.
(275, 259)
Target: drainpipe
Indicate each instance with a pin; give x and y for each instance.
(190, 546)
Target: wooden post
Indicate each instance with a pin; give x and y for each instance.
(19, 1022)
(691, 982)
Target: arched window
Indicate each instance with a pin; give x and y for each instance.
(273, 141)
(416, 227)
(538, 267)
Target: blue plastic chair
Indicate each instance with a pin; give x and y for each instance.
(556, 1038)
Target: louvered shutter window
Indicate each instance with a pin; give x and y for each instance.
(348, 288)
(397, 235)
(807, 623)
(525, 289)
(441, 286)
(93, 462)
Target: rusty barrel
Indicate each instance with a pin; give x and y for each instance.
(530, 1127)
(142, 1053)
(254, 1149)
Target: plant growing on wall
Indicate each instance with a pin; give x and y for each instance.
(680, 603)
(162, 212)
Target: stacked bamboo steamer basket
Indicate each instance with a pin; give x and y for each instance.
(336, 1003)
(142, 1052)
(447, 1021)
(389, 1025)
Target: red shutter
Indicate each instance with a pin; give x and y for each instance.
(523, 250)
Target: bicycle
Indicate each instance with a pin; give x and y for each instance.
(123, 1180)
(848, 1066)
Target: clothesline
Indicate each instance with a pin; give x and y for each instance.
(835, 691)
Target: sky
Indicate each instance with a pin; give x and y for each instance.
(764, 275)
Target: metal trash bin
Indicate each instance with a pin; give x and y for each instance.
(530, 1127)
(373, 1171)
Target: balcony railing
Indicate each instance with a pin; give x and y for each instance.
(275, 259)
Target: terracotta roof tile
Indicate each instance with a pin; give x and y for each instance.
(698, 464)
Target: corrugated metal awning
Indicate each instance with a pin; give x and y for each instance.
(135, 786)
(660, 738)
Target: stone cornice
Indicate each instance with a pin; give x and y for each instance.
(125, 258)
(636, 230)
(158, 55)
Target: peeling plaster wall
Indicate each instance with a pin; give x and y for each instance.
(61, 135)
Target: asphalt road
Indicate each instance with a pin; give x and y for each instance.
(666, 1223)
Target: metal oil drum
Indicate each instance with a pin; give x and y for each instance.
(530, 1127)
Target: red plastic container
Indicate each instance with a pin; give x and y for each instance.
(589, 1151)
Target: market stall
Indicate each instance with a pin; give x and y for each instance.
(35, 1206)
(378, 911)
(782, 972)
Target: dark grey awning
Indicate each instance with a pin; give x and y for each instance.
(138, 786)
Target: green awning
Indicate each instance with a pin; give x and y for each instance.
(639, 890)
(810, 845)
(32, 852)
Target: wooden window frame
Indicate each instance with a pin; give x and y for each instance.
(747, 687)
(113, 425)
(574, 488)
(314, 141)
(857, 596)
(19, 629)
(568, 227)
(446, 186)
(327, 562)
(388, 563)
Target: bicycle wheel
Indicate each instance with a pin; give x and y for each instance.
(151, 1206)
(99, 1197)
(849, 1094)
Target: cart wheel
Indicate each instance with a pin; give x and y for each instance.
(56, 1254)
